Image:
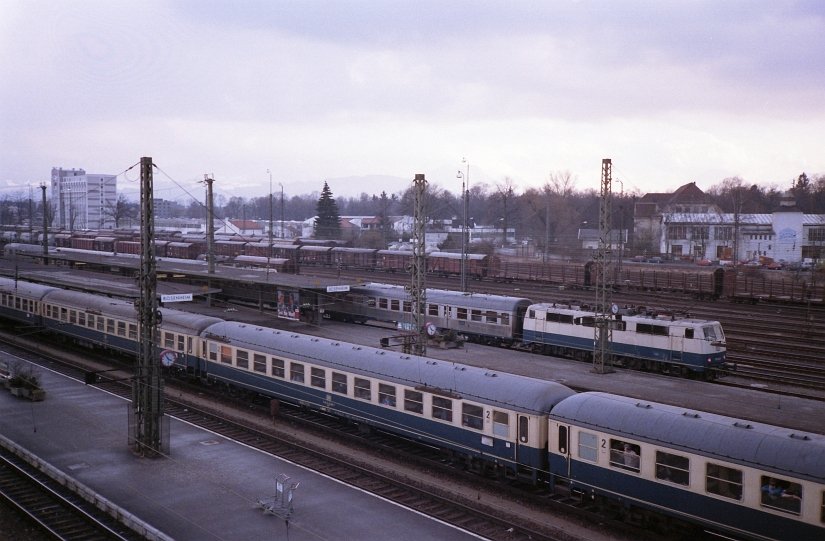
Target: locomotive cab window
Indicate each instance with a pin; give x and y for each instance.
(689, 333)
(472, 416)
(624, 455)
(673, 468)
(781, 495)
(724, 481)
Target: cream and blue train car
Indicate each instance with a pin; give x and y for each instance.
(493, 319)
(738, 477)
(111, 323)
(485, 417)
(21, 301)
(640, 340)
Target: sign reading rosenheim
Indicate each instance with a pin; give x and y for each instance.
(178, 297)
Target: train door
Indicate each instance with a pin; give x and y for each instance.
(563, 443)
(522, 439)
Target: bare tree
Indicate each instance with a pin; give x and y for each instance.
(120, 210)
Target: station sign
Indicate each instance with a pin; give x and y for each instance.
(178, 297)
(337, 289)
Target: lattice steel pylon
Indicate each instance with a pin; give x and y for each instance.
(145, 425)
(418, 287)
(603, 331)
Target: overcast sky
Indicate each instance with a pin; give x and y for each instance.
(671, 91)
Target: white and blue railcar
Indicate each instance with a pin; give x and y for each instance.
(485, 416)
(494, 319)
(640, 340)
(738, 477)
(21, 301)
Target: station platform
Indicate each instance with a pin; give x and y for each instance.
(208, 488)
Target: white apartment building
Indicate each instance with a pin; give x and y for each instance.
(82, 201)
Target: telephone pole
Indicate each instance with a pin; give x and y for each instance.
(145, 424)
(45, 239)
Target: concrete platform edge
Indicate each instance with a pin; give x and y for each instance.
(115, 511)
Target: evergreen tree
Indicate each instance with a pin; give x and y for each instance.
(328, 220)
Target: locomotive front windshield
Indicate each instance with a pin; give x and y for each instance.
(713, 333)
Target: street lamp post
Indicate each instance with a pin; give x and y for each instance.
(465, 196)
(282, 209)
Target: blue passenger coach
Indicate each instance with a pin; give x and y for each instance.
(741, 477)
(477, 413)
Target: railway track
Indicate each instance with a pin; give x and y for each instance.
(766, 342)
(53, 507)
(234, 419)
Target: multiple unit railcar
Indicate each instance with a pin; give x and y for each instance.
(736, 477)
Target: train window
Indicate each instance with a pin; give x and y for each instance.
(100, 322)
(226, 355)
(822, 510)
(339, 383)
(259, 363)
(523, 429)
(72, 316)
(213, 351)
(407, 306)
(63, 314)
(501, 424)
(17, 302)
(432, 309)
(132, 331)
(710, 332)
(588, 446)
(181, 344)
(395, 305)
(318, 378)
(382, 303)
(81, 318)
(781, 495)
(413, 401)
(278, 368)
(242, 359)
(472, 416)
(624, 455)
(168, 340)
(442, 408)
(673, 468)
(296, 372)
(586, 321)
(475, 315)
(505, 318)
(121, 328)
(647, 328)
(532, 314)
(461, 313)
(90, 320)
(386, 394)
(562, 441)
(724, 481)
(689, 333)
(361, 389)
(491, 317)
(110, 326)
